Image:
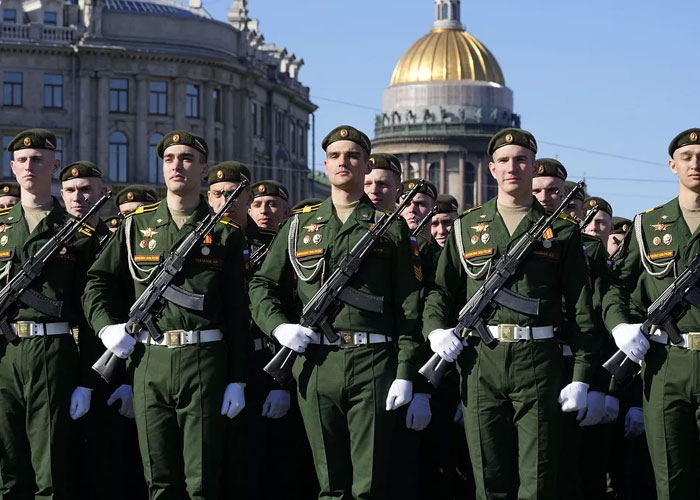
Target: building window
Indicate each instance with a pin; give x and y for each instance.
(444, 11)
(50, 18)
(192, 109)
(254, 113)
(6, 156)
(158, 98)
(278, 127)
(118, 95)
(12, 89)
(263, 120)
(292, 137)
(216, 97)
(9, 16)
(118, 148)
(155, 162)
(302, 141)
(455, 11)
(53, 91)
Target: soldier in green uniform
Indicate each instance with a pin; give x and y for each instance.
(575, 209)
(81, 187)
(509, 393)
(9, 194)
(658, 248)
(601, 225)
(383, 183)
(347, 388)
(179, 381)
(548, 186)
(132, 197)
(270, 206)
(441, 223)
(43, 379)
(620, 227)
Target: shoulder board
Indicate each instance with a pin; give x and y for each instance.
(306, 209)
(645, 212)
(228, 222)
(471, 209)
(144, 208)
(86, 230)
(4, 211)
(567, 218)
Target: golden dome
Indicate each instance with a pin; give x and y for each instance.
(447, 54)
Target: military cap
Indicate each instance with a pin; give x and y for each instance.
(229, 171)
(621, 225)
(597, 201)
(307, 203)
(113, 222)
(446, 204)
(347, 133)
(9, 189)
(685, 138)
(33, 138)
(512, 136)
(550, 167)
(581, 195)
(79, 169)
(385, 161)
(428, 188)
(183, 138)
(270, 188)
(136, 192)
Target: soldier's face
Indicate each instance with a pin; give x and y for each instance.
(33, 169)
(79, 195)
(8, 201)
(184, 169)
(576, 209)
(440, 227)
(417, 210)
(549, 191)
(347, 164)
(600, 226)
(268, 212)
(383, 188)
(239, 209)
(513, 167)
(686, 165)
(130, 206)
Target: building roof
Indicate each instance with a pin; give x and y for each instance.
(160, 7)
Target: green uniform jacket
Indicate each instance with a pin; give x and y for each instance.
(555, 270)
(322, 241)
(668, 245)
(216, 270)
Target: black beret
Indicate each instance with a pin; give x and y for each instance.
(428, 188)
(580, 195)
(597, 201)
(136, 192)
(347, 133)
(512, 136)
(9, 189)
(33, 138)
(182, 138)
(270, 188)
(385, 161)
(685, 138)
(550, 167)
(229, 171)
(80, 169)
(446, 204)
(308, 202)
(621, 225)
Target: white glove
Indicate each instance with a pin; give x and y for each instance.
(276, 404)
(594, 412)
(631, 341)
(573, 397)
(634, 423)
(123, 393)
(234, 400)
(612, 409)
(418, 415)
(296, 337)
(80, 402)
(400, 393)
(445, 344)
(459, 415)
(116, 340)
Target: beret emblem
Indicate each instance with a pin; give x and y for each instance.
(261, 188)
(27, 141)
(509, 138)
(74, 172)
(220, 174)
(176, 137)
(129, 196)
(343, 133)
(693, 136)
(6, 189)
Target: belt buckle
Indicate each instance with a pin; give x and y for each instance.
(24, 329)
(694, 341)
(506, 332)
(173, 338)
(347, 340)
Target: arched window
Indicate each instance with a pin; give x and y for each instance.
(455, 11)
(434, 173)
(437, 14)
(155, 163)
(469, 183)
(444, 11)
(118, 148)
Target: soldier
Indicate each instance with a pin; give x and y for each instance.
(601, 225)
(441, 223)
(620, 226)
(383, 183)
(509, 393)
(346, 388)
(43, 379)
(81, 187)
(548, 186)
(270, 206)
(224, 178)
(575, 209)
(179, 380)
(657, 249)
(132, 197)
(9, 194)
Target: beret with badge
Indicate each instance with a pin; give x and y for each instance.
(138, 193)
(385, 161)
(621, 225)
(428, 188)
(228, 171)
(549, 167)
(270, 188)
(512, 137)
(597, 201)
(79, 169)
(685, 138)
(446, 204)
(347, 133)
(9, 189)
(113, 222)
(182, 138)
(33, 138)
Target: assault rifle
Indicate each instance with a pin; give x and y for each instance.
(258, 255)
(424, 221)
(663, 313)
(144, 311)
(493, 291)
(327, 302)
(17, 290)
(589, 217)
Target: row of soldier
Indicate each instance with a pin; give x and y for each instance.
(539, 395)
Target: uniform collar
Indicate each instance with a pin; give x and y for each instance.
(163, 217)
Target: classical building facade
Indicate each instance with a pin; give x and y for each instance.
(446, 99)
(110, 77)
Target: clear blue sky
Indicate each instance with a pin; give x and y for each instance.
(615, 77)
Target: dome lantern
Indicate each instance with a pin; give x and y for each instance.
(447, 15)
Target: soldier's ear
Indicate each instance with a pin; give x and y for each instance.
(205, 170)
(672, 166)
